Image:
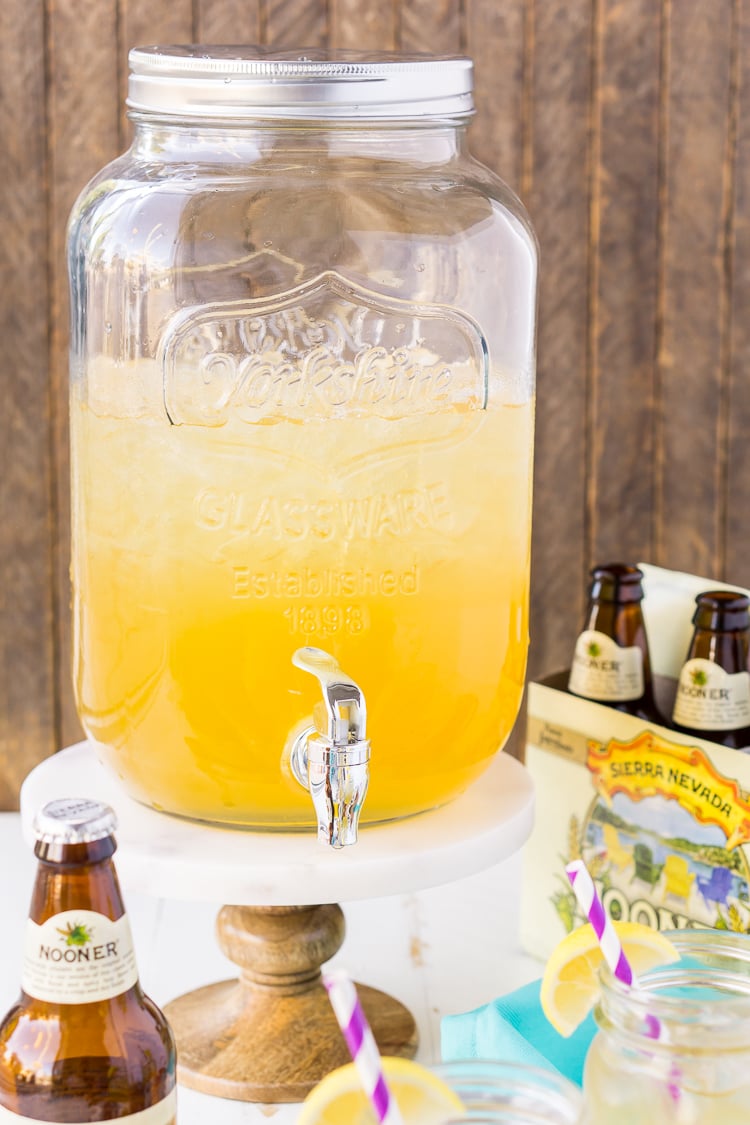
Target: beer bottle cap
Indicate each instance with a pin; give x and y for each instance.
(71, 820)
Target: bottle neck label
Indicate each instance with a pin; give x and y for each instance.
(604, 671)
(709, 698)
(78, 957)
(163, 1113)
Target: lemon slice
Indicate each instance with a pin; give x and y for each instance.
(570, 985)
(422, 1097)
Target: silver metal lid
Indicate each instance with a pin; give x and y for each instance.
(71, 820)
(241, 82)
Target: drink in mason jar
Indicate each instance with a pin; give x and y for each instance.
(501, 1092)
(676, 1049)
(480, 1090)
(83, 1043)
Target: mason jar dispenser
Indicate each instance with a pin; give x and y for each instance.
(302, 393)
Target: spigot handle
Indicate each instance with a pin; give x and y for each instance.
(344, 702)
(333, 764)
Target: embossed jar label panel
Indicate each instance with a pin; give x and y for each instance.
(325, 349)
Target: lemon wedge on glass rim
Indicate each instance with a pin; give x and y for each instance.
(422, 1097)
(570, 985)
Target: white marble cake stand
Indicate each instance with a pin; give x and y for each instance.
(271, 1035)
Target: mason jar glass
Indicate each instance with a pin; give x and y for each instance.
(510, 1093)
(302, 394)
(676, 1049)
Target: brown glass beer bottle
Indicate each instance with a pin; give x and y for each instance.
(611, 662)
(713, 690)
(83, 1043)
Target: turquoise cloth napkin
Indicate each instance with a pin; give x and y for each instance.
(515, 1028)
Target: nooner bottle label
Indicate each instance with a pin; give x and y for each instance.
(708, 698)
(602, 670)
(163, 1113)
(78, 957)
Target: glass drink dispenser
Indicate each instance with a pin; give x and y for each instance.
(302, 393)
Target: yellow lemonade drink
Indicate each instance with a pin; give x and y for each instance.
(205, 555)
(708, 1092)
(675, 1047)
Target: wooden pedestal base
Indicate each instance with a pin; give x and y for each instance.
(271, 1035)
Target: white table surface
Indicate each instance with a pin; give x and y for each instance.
(439, 951)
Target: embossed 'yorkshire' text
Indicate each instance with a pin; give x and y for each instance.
(325, 349)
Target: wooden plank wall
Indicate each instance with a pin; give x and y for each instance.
(624, 124)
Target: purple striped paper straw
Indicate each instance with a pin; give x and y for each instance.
(591, 905)
(611, 947)
(362, 1046)
(612, 951)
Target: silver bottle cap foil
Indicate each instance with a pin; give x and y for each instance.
(197, 81)
(71, 820)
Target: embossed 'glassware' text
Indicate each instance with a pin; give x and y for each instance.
(301, 414)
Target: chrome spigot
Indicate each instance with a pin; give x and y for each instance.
(332, 758)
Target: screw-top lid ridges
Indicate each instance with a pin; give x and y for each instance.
(251, 82)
